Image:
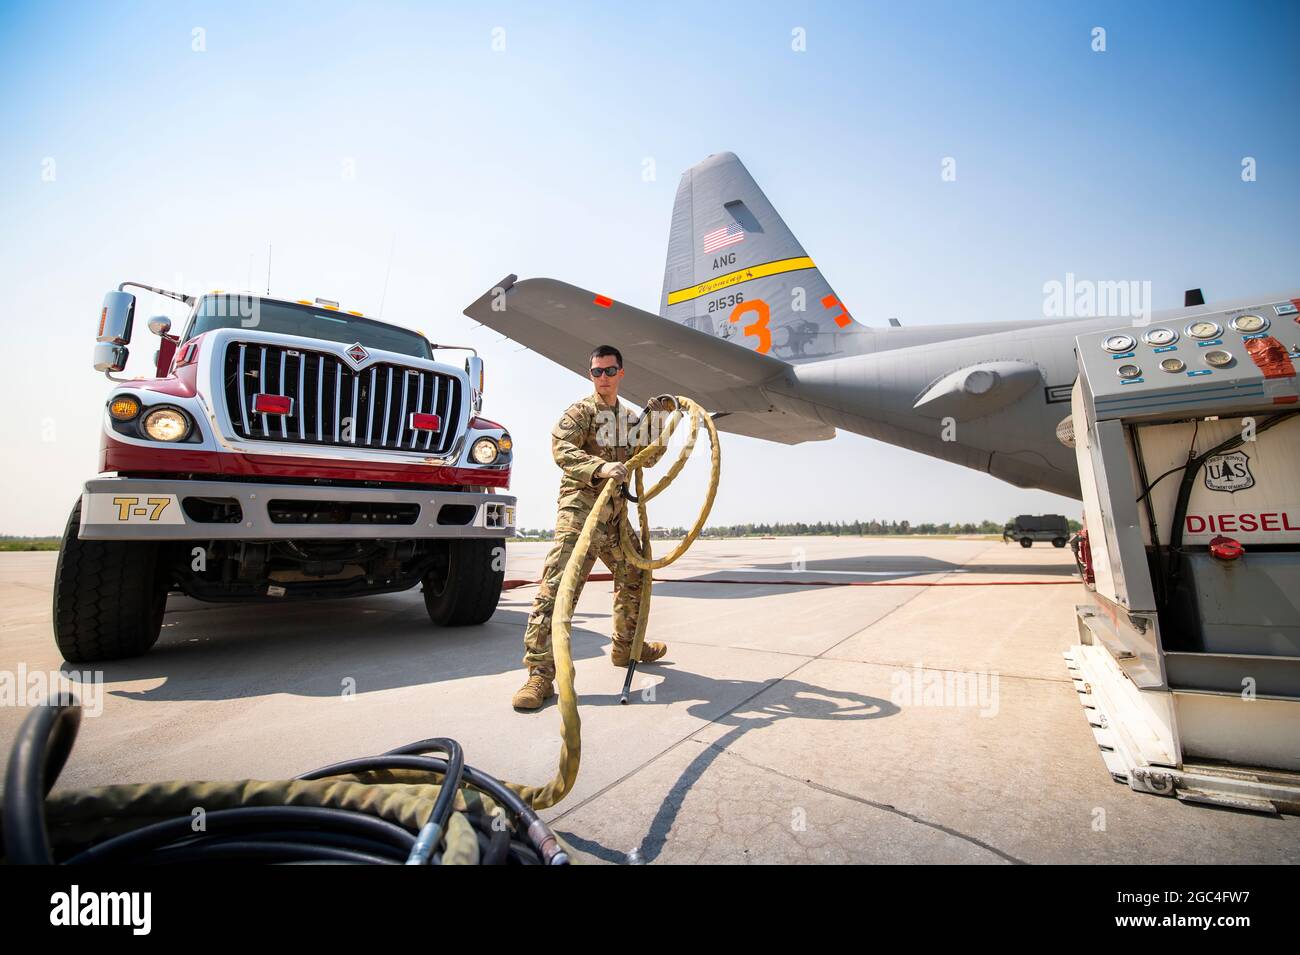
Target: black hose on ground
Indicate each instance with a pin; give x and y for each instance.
(277, 833)
(411, 756)
(42, 747)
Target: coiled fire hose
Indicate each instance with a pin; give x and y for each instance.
(637, 552)
(406, 805)
(378, 810)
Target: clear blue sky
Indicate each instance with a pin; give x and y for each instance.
(175, 166)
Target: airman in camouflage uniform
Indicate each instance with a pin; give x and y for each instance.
(592, 441)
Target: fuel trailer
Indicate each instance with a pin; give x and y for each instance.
(1188, 662)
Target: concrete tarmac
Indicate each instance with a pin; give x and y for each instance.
(789, 723)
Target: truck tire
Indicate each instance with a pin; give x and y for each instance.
(463, 589)
(1058, 542)
(1026, 542)
(109, 596)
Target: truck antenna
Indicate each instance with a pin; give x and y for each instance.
(268, 268)
(387, 271)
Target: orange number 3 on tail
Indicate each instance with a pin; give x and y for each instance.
(759, 326)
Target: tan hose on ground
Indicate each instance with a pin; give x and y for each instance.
(639, 554)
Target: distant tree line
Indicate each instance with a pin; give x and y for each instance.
(837, 529)
(874, 528)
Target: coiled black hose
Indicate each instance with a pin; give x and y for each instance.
(42, 747)
(277, 833)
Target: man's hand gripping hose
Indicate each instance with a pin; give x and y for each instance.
(638, 552)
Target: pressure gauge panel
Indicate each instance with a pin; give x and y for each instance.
(1218, 358)
(1181, 366)
(1249, 324)
(1160, 337)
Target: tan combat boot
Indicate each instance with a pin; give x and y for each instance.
(538, 688)
(621, 653)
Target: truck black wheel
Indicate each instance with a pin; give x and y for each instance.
(464, 584)
(1026, 542)
(1058, 542)
(109, 596)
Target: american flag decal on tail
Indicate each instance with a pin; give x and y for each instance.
(721, 238)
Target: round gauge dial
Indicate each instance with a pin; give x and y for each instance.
(1119, 343)
(1218, 358)
(1128, 371)
(1160, 336)
(1204, 329)
(1173, 365)
(1248, 324)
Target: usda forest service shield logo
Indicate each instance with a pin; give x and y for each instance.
(1229, 472)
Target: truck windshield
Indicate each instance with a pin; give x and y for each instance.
(307, 321)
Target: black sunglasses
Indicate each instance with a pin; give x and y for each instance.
(612, 370)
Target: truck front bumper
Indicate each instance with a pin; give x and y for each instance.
(115, 508)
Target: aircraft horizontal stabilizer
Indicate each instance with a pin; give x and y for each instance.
(779, 426)
(564, 323)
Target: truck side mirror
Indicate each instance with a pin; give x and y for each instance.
(160, 325)
(116, 318)
(109, 357)
(474, 369)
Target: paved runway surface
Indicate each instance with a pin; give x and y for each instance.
(899, 723)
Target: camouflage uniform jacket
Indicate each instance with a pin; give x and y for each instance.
(589, 434)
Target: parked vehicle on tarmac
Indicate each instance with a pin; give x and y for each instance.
(1028, 528)
(283, 450)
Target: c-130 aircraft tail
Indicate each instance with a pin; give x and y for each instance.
(736, 271)
(750, 328)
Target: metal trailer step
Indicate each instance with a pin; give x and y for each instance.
(1135, 753)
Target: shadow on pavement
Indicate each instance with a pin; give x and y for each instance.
(237, 651)
(799, 701)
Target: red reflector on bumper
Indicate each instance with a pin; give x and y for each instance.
(272, 404)
(603, 301)
(425, 422)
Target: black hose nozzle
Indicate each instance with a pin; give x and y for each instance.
(627, 682)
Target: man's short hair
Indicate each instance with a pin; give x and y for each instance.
(607, 351)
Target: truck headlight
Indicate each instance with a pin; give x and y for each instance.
(167, 424)
(124, 408)
(484, 451)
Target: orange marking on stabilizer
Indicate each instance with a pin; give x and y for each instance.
(843, 319)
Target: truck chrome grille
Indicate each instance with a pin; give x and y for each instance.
(334, 405)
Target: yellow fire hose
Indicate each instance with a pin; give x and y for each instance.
(639, 554)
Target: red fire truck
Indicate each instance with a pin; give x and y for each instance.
(284, 450)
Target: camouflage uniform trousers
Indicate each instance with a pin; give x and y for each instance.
(538, 656)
